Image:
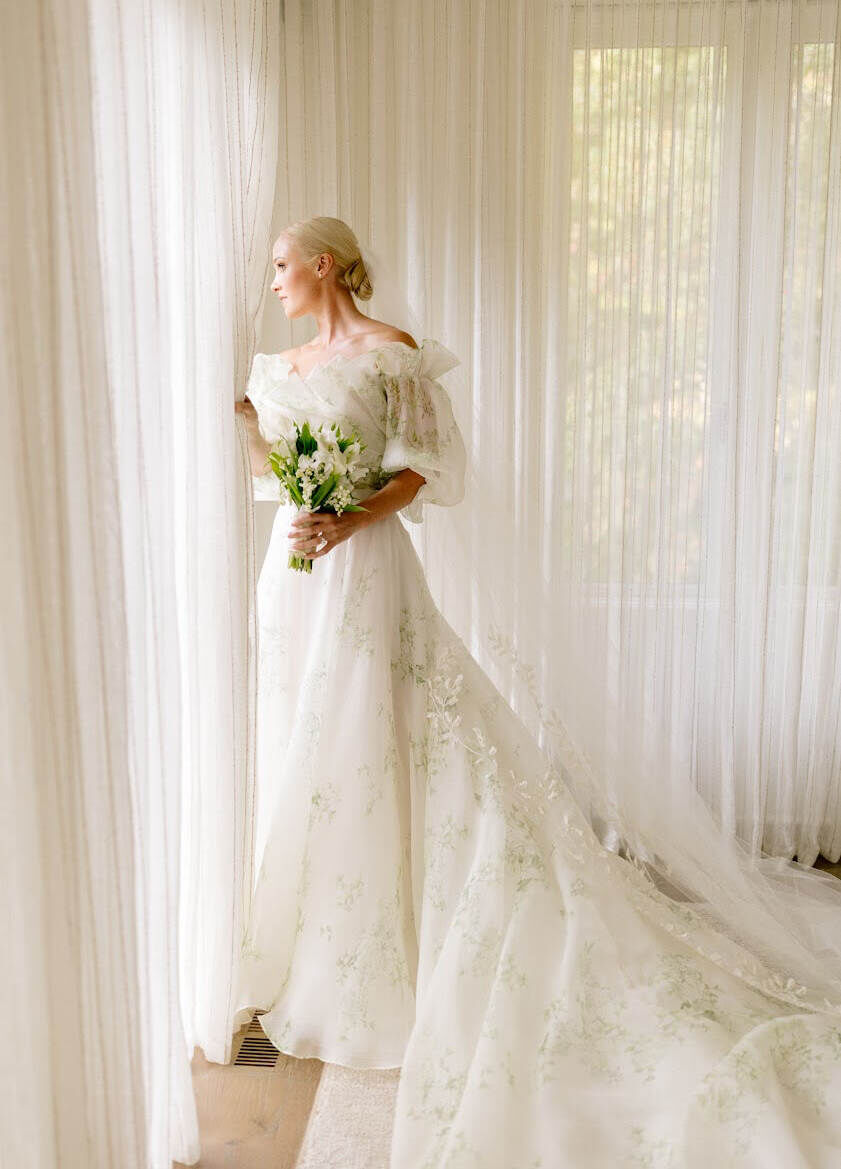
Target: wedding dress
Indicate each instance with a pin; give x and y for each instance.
(414, 908)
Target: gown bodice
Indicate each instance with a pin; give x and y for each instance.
(390, 395)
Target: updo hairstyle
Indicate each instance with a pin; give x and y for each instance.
(322, 233)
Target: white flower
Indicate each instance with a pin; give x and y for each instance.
(326, 451)
(340, 465)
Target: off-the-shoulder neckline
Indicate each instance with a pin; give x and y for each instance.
(346, 358)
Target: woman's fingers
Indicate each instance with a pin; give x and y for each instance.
(308, 545)
(316, 533)
(305, 541)
(306, 520)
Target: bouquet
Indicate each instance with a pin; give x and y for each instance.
(318, 467)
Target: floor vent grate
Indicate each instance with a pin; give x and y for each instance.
(256, 1049)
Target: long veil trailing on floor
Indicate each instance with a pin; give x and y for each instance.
(545, 644)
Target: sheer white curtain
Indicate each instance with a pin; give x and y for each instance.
(624, 217)
(73, 1051)
(224, 153)
(137, 165)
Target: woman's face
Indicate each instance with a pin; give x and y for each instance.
(295, 283)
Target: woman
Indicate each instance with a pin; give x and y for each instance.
(414, 907)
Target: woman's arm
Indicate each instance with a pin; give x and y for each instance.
(401, 489)
(258, 448)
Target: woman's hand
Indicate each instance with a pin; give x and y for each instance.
(309, 529)
(245, 407)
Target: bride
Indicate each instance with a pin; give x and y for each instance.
(430, 892)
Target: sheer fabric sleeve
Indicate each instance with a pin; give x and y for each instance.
(266, 369)
(420, 429)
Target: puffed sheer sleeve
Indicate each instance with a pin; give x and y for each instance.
(420, 429)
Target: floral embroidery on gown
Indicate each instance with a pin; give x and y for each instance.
(543, 1002)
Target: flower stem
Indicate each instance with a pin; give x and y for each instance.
(300, 563)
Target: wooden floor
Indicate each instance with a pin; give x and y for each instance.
(299, 1114)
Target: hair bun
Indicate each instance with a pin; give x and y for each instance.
(356, 278)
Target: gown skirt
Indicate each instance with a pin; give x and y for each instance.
(411, 909)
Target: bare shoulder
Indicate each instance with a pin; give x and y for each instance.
(383, 332)
(406, 338)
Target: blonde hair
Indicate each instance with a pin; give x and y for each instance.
(322, 233)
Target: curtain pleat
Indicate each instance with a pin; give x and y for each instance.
(225, 191)
(78, 754)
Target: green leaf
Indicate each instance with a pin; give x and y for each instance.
(324, 490)
(307, 444)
